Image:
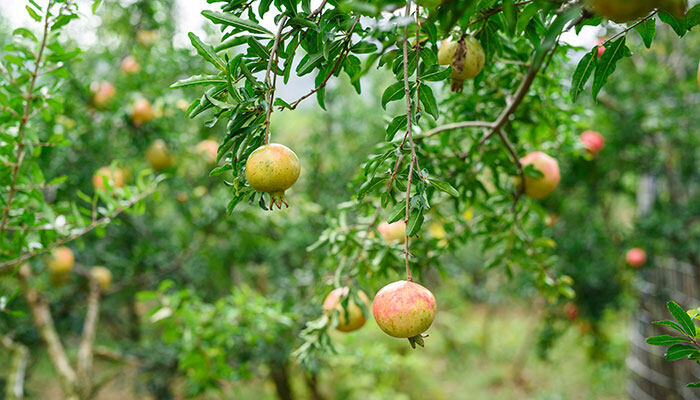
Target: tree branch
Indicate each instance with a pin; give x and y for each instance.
(274, 55)
(87, 342)
(14, 388)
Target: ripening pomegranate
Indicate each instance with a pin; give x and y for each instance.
(354, 318)
(394, 232)
(636, 257)
(208, 149)
(158, 156)
(103, 92)
(273, 168)
(539, 188)
(141, 111)
(571, 311)
(103, 276)
(466, 56)
(61, 260)
(115, 177)
(404, 309)
(622, 10)
(130, 65)
(593, 142)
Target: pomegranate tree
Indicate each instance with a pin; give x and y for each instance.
(394, 232)
(352, 318)
(636, 257)
(593, 142)
(273, 168)
(404, 309)
(158, 156)
(466, 56)
(540, 188)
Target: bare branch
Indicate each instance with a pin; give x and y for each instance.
(274, 55)
(87, 341)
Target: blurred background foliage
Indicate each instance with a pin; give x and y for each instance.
(210, 305)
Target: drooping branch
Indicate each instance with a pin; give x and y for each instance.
(29, 97)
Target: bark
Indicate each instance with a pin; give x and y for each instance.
(16, 372)
(280, 376)
(87, 342)
(312, 383)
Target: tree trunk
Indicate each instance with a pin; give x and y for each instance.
(16, 371)
(312, 383)
(280, 376)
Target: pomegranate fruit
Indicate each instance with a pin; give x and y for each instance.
(540, 188)
(208, 149)
(571, 311)
(142, 112)
(102, 275)
(636, 257)
(622, 10)
(130, 65)
(158, 156)
(273, 168)
(593, 142)
(147, 38)
(394, 232)
(404, 309)
(354, 318)
(61, 260)
(466, 56)
(115, 177)
(103, 92)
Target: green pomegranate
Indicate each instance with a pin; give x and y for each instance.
(466, 56)
(623, 10)
(273, 168)
(354, 318)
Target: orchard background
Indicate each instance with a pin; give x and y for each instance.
(141, 255)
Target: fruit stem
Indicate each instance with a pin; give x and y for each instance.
(274, 55)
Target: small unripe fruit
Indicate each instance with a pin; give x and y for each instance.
(394, 232)
(208, 149)
(158, 156)
(130, 65)
(404, 309)
(103, 92)
(622, 10)
(147, 37)
(540, 188)
(466, 56)
(115, 177)
(61, 261)
(593, 142)
(354, 319)
(103, 276)
(636, 257)
(571, 311)
(273, 168)
(142, 112)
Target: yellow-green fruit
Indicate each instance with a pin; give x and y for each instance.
(102, 275)
(61, 261)
(273, 168)
(394, 232)
(623, 10)
(466, 56)
(354, 319)
(158, 156)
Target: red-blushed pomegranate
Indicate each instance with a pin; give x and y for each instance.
(593, 142)
(208, 150)
(114, 176)
(540, 188)
(158, 155)
(142, 112)
(273, 168)
(394, 232)
(354, 318)
(61, 260)
(636, 257)
(130, 65)
(601, 48)
(103, 92)
(102, 275)
(404, 309)
(466, 56)
(571, 311)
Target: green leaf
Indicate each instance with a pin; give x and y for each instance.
(436, 73)
(583, 73)
(392, 93)
(32, 13)
(693, 385)
(614, 52)
(665, 340)
(95, 5)
(370, 185)
(206, 51)
(670, 324)
(397, 213)
(444, 187)
(647, 30)
(304, 23)
(308, 63)
(394, 126)
(682, 317)
(510, 15)
(258, 49)
(679, 26)
(678, 351)
(415, 221)
(428, 100)
(363, 48)
(198, 80)
(231, 20)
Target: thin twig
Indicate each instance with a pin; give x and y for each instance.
(274, 52)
